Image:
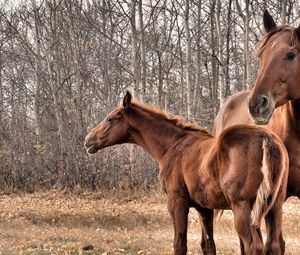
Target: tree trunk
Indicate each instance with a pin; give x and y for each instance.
(213, 90)
(134, 49)
(228, 39)
(160, 80)
(54, 70)
(220, 53)
(283, 11)
(143, 50)
(37, 73)
(198, 85)
(105, 64)
(246, 19)
(246, 48)
(188, 61)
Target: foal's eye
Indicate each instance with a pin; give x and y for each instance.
(109, 119)
(290, 56)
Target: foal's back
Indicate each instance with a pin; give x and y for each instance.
(207, 169)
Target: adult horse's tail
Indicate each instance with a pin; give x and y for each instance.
(274, 169)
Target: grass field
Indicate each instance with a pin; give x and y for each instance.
(99, 223)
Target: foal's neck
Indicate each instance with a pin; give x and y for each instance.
(156, 136)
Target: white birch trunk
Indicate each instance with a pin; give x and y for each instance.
(188, 61)
(37, 72)
(220, 53)
(134, 49)
(143, 50)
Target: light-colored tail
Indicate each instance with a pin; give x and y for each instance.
(268, 189)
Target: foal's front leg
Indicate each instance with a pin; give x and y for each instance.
(179, 209)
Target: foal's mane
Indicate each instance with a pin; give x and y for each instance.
(267, 36)
(176, 120)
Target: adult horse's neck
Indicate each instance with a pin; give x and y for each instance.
(288, 116)
(153, 132)
(294, 115)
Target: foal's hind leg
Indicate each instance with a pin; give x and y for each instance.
(275, 244)
(248, 234)
(207, 239)
(242, 248)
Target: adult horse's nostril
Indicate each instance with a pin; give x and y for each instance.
(262, 104)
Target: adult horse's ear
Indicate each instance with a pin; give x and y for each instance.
(269, 22)
(127, 101)
(297, 30)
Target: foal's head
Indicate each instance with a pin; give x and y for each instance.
(279, 72)
(112, 130)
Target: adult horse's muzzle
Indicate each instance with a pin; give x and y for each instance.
(261, 109)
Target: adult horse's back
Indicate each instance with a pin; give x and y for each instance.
(233, 112)
(275, 97)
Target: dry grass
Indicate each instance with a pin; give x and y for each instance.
(56, 223)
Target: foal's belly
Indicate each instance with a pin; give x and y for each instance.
(209, 196)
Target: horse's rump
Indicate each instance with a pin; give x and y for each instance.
(274, 162)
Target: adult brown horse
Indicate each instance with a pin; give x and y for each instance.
(245, 169)
(275, 97)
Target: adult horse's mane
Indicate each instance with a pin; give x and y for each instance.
(176, 120)
(267, 36)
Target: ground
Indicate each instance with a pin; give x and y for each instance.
(108, 224)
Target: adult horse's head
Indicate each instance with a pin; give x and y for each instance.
(279, 72)
(112, 130)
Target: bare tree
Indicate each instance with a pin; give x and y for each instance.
(65, 64)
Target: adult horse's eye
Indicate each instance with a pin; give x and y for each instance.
(109, 119)
(290, 56)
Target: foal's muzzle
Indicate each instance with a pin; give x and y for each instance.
(90, 145)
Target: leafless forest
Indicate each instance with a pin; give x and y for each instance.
(64, 64)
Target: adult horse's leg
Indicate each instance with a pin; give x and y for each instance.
(207, 239)
(247, 233)
(275, 244)
(179, 209)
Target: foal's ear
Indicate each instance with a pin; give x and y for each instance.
(127, 100)
(269, 22)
